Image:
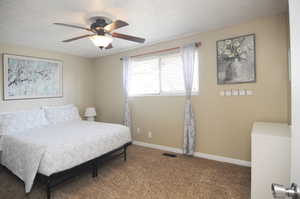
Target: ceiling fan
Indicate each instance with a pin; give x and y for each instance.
(102, 32)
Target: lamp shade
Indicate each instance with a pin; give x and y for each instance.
(90, 112)
(101, 40)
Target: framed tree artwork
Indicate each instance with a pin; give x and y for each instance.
(31, 77)
(236, 60)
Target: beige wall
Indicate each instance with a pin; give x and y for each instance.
(223, 123)
(78, 80)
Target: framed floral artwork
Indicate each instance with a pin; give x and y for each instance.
(236, 62)
(30, 77)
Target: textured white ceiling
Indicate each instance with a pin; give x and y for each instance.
(29, 22)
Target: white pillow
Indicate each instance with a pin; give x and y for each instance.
(15, 122)
(59, 114)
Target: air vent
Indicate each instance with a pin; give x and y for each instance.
(170, 155)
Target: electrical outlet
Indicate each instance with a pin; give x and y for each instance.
(228, 93)
(149, 134)
(235, 92)
(138, 130)
(249, 92)
(242, 92)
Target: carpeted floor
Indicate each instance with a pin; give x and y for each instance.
(146, 175)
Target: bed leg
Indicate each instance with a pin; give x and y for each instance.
(125, 153)
(95, 169)
(48, 189)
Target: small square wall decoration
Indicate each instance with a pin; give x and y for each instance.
(236, 60)
(31, 77)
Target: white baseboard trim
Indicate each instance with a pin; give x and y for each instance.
(159, 147)
(223, 159)
(196, 154)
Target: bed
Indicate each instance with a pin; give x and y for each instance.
(56, 149)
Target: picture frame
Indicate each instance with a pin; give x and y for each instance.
(236, 60)
(26, 77)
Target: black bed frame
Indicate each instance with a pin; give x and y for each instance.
(63, 176)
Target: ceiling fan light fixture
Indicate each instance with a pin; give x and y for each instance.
(101, 40)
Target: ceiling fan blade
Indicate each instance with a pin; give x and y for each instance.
(72, 26)
(128, 37)
(115, 25)
(80, 37)
(109, 46)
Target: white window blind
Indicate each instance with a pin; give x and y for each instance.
(144, 77)
(159, 75)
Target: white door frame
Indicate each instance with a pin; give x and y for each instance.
(294, 16)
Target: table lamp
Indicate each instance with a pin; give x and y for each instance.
(90, 113)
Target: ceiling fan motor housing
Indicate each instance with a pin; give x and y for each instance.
(98, 26)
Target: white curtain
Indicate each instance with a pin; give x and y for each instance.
(188, 59)
(127, 115)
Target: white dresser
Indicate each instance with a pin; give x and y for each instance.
(270, 158)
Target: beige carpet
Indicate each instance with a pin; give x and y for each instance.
(147, 174)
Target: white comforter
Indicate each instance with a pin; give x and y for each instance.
(55, 148)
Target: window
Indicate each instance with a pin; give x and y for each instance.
(144, 77)
(159, 75)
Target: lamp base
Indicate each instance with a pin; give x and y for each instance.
(90, 118)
